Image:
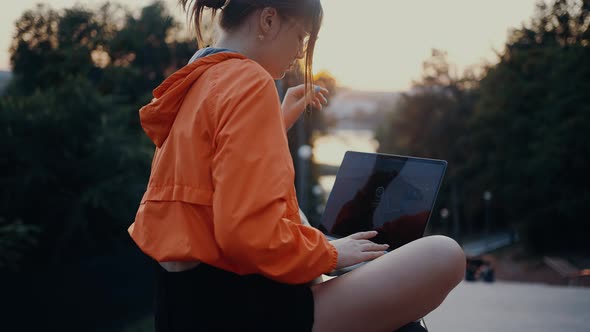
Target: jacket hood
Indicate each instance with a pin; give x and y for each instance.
(158, 116)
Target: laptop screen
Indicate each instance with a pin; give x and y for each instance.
(391, 194)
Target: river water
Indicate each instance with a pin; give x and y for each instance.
(329, 150)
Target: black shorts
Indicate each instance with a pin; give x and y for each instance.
(206, 298)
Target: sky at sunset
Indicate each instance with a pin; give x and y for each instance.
(379, 45)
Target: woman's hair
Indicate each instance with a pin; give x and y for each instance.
(234, 12)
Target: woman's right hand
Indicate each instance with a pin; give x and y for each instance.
(357, 248)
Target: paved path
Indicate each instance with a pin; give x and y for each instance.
(504, 306)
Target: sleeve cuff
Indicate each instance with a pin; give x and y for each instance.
(334, 261)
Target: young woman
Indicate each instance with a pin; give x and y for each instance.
(220, 214)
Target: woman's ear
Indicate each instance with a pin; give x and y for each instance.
(268, 19)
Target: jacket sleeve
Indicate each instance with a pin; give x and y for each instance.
(252, 179)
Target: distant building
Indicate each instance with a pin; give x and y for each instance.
(351, 109)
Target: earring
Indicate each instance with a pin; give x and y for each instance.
(260, 37)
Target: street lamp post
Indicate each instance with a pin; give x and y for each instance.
(487, 197)
(304, 154)
(444, 214)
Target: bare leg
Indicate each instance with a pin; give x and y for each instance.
(391, 291)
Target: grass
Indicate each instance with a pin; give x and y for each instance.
(145, 324)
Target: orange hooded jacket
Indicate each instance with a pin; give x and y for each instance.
(221, 185)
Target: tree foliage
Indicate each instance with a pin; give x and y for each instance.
(519, 131)
(430, 121)
(532, 124)
(75, 159)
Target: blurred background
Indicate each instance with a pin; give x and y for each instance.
(501, 90)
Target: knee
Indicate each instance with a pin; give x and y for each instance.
(450, 259)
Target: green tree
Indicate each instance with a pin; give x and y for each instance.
(71, 167)
(430, 121)
(75, 159)
(529, 136)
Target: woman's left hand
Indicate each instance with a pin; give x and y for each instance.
(295, 102)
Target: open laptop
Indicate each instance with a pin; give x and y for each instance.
(391, 194)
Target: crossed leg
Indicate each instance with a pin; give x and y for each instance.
(391, 291)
